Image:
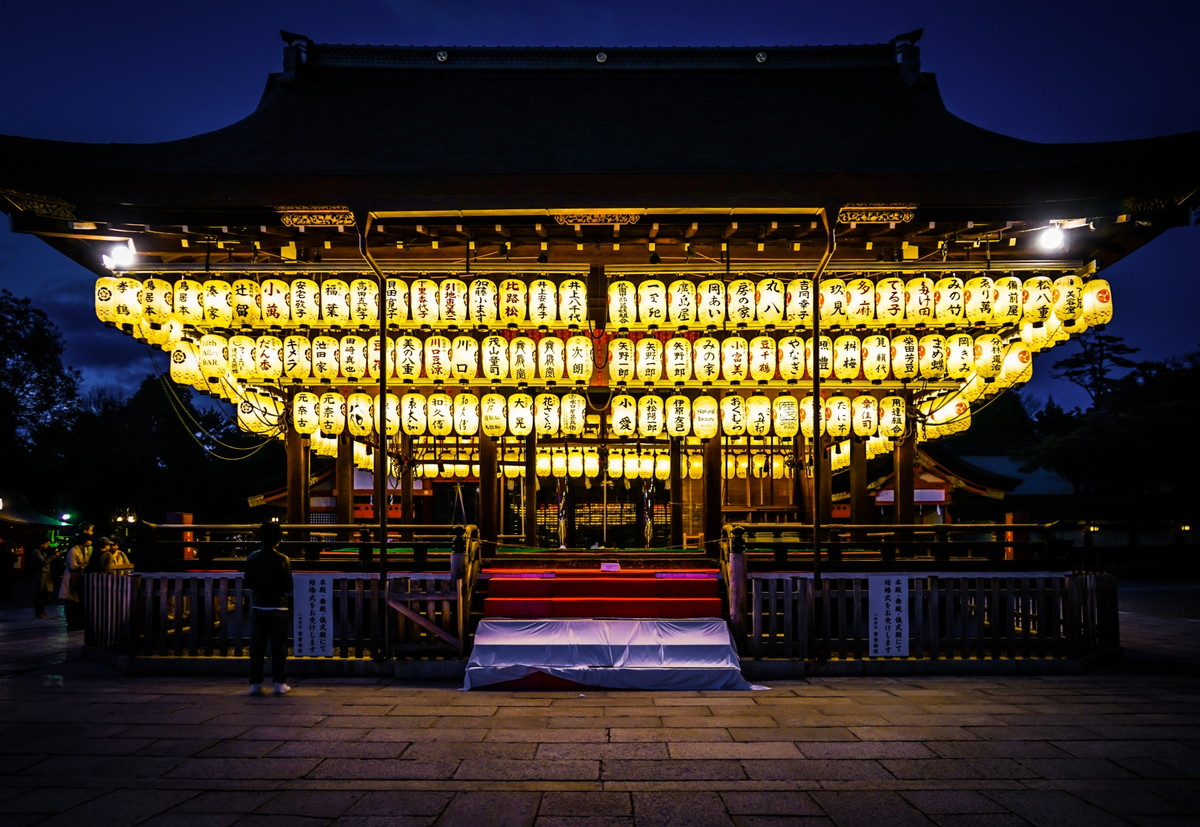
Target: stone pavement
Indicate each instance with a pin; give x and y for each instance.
(81, 744)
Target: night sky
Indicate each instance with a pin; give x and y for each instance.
(143, 72)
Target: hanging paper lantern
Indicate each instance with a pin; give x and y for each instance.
(621, 358)
(572, 302)
(268, 358)
(652, 303)
(218, 303)
(785, 412)
(352, 351)
(481, 302)
(514, 302)
(623, 417)
(706, 359)
(662, 465)
(622, 303)
(779, 467)
(931, 355)
(1037, 297)
(758, 415)
(681, 302)
(864, 415)
(452, 299)
(695, 466)
(575, 463)
(581, 359)
(918, 301)
(243, 361)
(847, 357)
(632, 465)
(769, 301)
(358, 414)
(189, 302)
(304, 413)
(335, 302)
(437, 358)
(158, 304)
(960, 355)
(331, 413)
(837, 416)
(616, 464)
(949, 301)
(573, 417)
(1097, 303)
(543, 302)
(413, 418)
(989, 355)
(733, 415)
(892, 417)
(799, 309)
(650, 416)
(464, 358)
(396, 301)
(551, 358)
(466, 414)
(364, 302)
(678, 416)
(406, 366)
(1007, 306)
(545, 414)
(758, 465)
(710, 302)
(1018, 365)
(185, 363)
(214, 356)
(678, 352)
(274, 308)
(839, 456)
(439, 408)
(424, 302)
(705, 417)
(591, 463)
(514, 466)
(260, 414)
(906, 359)
(375, 357)
(876, 358)
(495, 358)
(791, 358)
(649, 360)
(740, 298)
(522, 359)
(812, 410)
(542, 464)
(860, 302)
(1037, 336)
(762, 358)
(304, 302)
(824, 357)
(735, 359)
(391, 414)
(494, 417)
(978, 295)
(520, 414)
(831, 299)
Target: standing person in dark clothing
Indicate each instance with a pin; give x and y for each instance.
(269, 580)
(42, 560)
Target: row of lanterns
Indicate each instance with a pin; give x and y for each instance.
(858, 302)
(874, 358)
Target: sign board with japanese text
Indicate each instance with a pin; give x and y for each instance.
(888, 615)
(312, 632)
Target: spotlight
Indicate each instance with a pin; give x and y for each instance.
(120, 256)
(1052, 238)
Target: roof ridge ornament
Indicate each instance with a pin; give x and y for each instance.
(908, 54)
(876, 213)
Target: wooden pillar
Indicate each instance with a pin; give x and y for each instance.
(408, 513)
(902, 479)
(714, 506)
(343, 482)
(531, 491)
(860, 501)
(801, 483)
(676, 493)
(824, 497)
(297, 479)
(488, 493)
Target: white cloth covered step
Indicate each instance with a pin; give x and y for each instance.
(608, 653)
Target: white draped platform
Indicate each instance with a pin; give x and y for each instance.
(607, 653)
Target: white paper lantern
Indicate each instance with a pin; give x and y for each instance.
(622, 303)
(769, 300)
(396, 301)
(542, 464)
(304, 302)
(1018, 365)
(358, 414)
(1097, 303)
(268, 358)
(413, 418)
(243, 359)
(452, 298)
(1037, 296)
(520, 414)
(543, 302)
(189, 302)
(649, 359)
(733, 415)
(439, 408)
(218, 303)
(304, 413)
(876, 356)
(860, 302)
(932, 356)
(424, 302)
(572, 302)
(960, 356)
(650, 416)
(214, 356)
(158, 305)
(979, 297)
(623, 417)
(581, 359)
(260, 414)
(681, 302)
(622, 354)
(762, 354)
(407, 364)
(464, 358)
(893, 418)
(1007, 306)
(552, 364)
(758, 415)
(706, 359)
(989, 355)
(493, 415)
(838, 416)
(791, 358)
(352, 351)
(522, 359)
(799, 309)
(545, 414)
(704, 417)
(391, 414)
(573, 418)
(831, 299)
(824, 357)
(466, 414)
(364, 302)
(785, 413)
(481, 302)
(513, 302)
(652, 303)
(678, 416)
(906, 357)
(575, 463)
(591, 463)
(918, 301)
(847, 357)
(335, 302)
(331, 413)
(375, 358)
(949, 301)
(735, 359)
(864, 414)
(185, 363)
(741, 304)
(678, 352)
(495, 358)
(437, 358)
(710, 302)
(812, 410)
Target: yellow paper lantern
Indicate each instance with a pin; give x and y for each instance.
(214, 357)
(395, 301)
(621, 360)
(847, 357)
(1007, 307)
(799, 308)
(437, 358)
(960, 355)
(710, 302)
(1037, 297)
(652, 303)
(949, 301)
(860, 302)
(646, 464)
(247, 307)
(493, 415)
(978, 296)
(678, 416)
(158, 304)
(704, 417)
(352, 352)
(391, 414)
(358, 414)
(591, 463)
(304, 413)
(622, 303)
(623, 416)
(678, 352)
(572, 302)
(542, 464)
(522, 359)
(733, 415)
(323, 446)
(1097, 303)
(824, 357)
(932, 356)
(1018, 364)
(785, 413)
(331, 413)
(189, 303)
(520, 414)
(989, 355)
(335, 302)
(706, 359)
(514, 302)
(407, 364)
(573, 417)
(1037, 336)
(374, 357)
(413, 418)
(464, 358)
(581, 359)
(769, 300)
(551, 358)
(632, 465)
(649, 360)
(495, 358)
(452, 299)
(762, 354)
(876, 358)
(543, 302)
(735, 359)
(185, 363)
(243, 358)
(758, 415)
(482, 304)
(260, 414)
(439, 409)
(268, 358)
(424, 301)
(918, 301)
(812, 410)
(305, 302)
(575, 463)
(650, 416)
(831, 299)
(662, 465)
(364, 302)
(545, 414)
(906, 357)
(838, 416)
(791, 358)
(695, 466)
(466, 414)
(681, 303)
(893, 417)
(864, 415)
(740, 299)
(616, 464)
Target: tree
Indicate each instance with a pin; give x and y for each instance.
(1091, 368)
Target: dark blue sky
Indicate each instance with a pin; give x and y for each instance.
(138, 71)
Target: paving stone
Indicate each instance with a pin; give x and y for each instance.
(283, 733)
(1123, 749)
(776, 802)
(995, 749)
(1167, 768)
(379, 769)
(415, 735)
(957, 768)
(584, 821)
(672, 735)
(239, 749)
(867, 749)
(121, 807)
(756, 749)
(793, 733)
(244, 768)
(1053, 808)
(628, 750)
(350, 749)
(489, 769)
(174, 819)
(224, 801)
(400, 803)
(895, 733)
(979, 820)
(54, 799)
(90, 767)
(566, 736)
(1095, 768)
(179, 746)
(448, 750)
(1134, 802)
(955, 802)
(815, 770)
(617, 770)
(668, 809)
(492, 808)
(875, 808)
(314, 803)
(564, 803)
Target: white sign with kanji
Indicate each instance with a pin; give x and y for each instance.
(888, 615)
(312, 633)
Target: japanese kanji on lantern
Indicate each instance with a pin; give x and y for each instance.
(493, 414)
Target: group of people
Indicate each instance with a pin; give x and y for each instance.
(84, 555)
